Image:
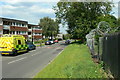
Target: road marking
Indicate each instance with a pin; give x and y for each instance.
(34, 54)
(58, 47)
(20, 55)
(51, 60)
(17, 60)
(32, 50)
(24, 54)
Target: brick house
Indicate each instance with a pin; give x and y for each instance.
(34, 32)
(17, 27)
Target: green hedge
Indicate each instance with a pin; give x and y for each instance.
(40, 41)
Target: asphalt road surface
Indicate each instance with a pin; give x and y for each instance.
(27, 65)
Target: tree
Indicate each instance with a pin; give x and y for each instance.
(112, 20)
(81, 17)
(49, 26)
(66, 36)
(119, 22)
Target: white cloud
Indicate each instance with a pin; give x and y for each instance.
(38, 9)
(44, 10)
(116, 1)
(17, 1)
(116, 4)
(31, 12)
(115, 8)
(8, 7)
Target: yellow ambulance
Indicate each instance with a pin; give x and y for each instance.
(12, 44)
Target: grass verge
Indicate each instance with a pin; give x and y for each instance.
(37, 45)
(74, 62)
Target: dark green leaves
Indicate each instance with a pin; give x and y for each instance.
(81, 17)
(49, 26)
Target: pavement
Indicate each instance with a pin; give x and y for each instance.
(27, 65)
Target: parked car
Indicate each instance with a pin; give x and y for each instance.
(31, 46)
(55, 41)
(51, 41)
(67, 41)
(48, 43)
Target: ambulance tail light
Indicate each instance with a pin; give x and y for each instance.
(12, 49)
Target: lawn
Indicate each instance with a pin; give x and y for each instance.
(38, 45)
(74, 62)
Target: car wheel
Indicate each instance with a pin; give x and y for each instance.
(14, 53)
(28, 49)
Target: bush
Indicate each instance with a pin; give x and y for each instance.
(40, 41)
(45, 40)
(36, 42)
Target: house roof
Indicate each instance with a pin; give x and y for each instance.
(13, 20)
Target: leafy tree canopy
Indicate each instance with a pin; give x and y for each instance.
(81, 17)
(49, 26)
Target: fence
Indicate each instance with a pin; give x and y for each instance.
(107, 50)
(111, 53)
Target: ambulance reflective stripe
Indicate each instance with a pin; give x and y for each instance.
(5, 44)
(21, 47)
(9, 44)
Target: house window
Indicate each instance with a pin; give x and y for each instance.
(16, 24)
(19, 42)
(22, 25)
(13, 32)
(17, 32)
(13, 24)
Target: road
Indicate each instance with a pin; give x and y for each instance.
(27, 65)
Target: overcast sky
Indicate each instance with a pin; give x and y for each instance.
(33, 10)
